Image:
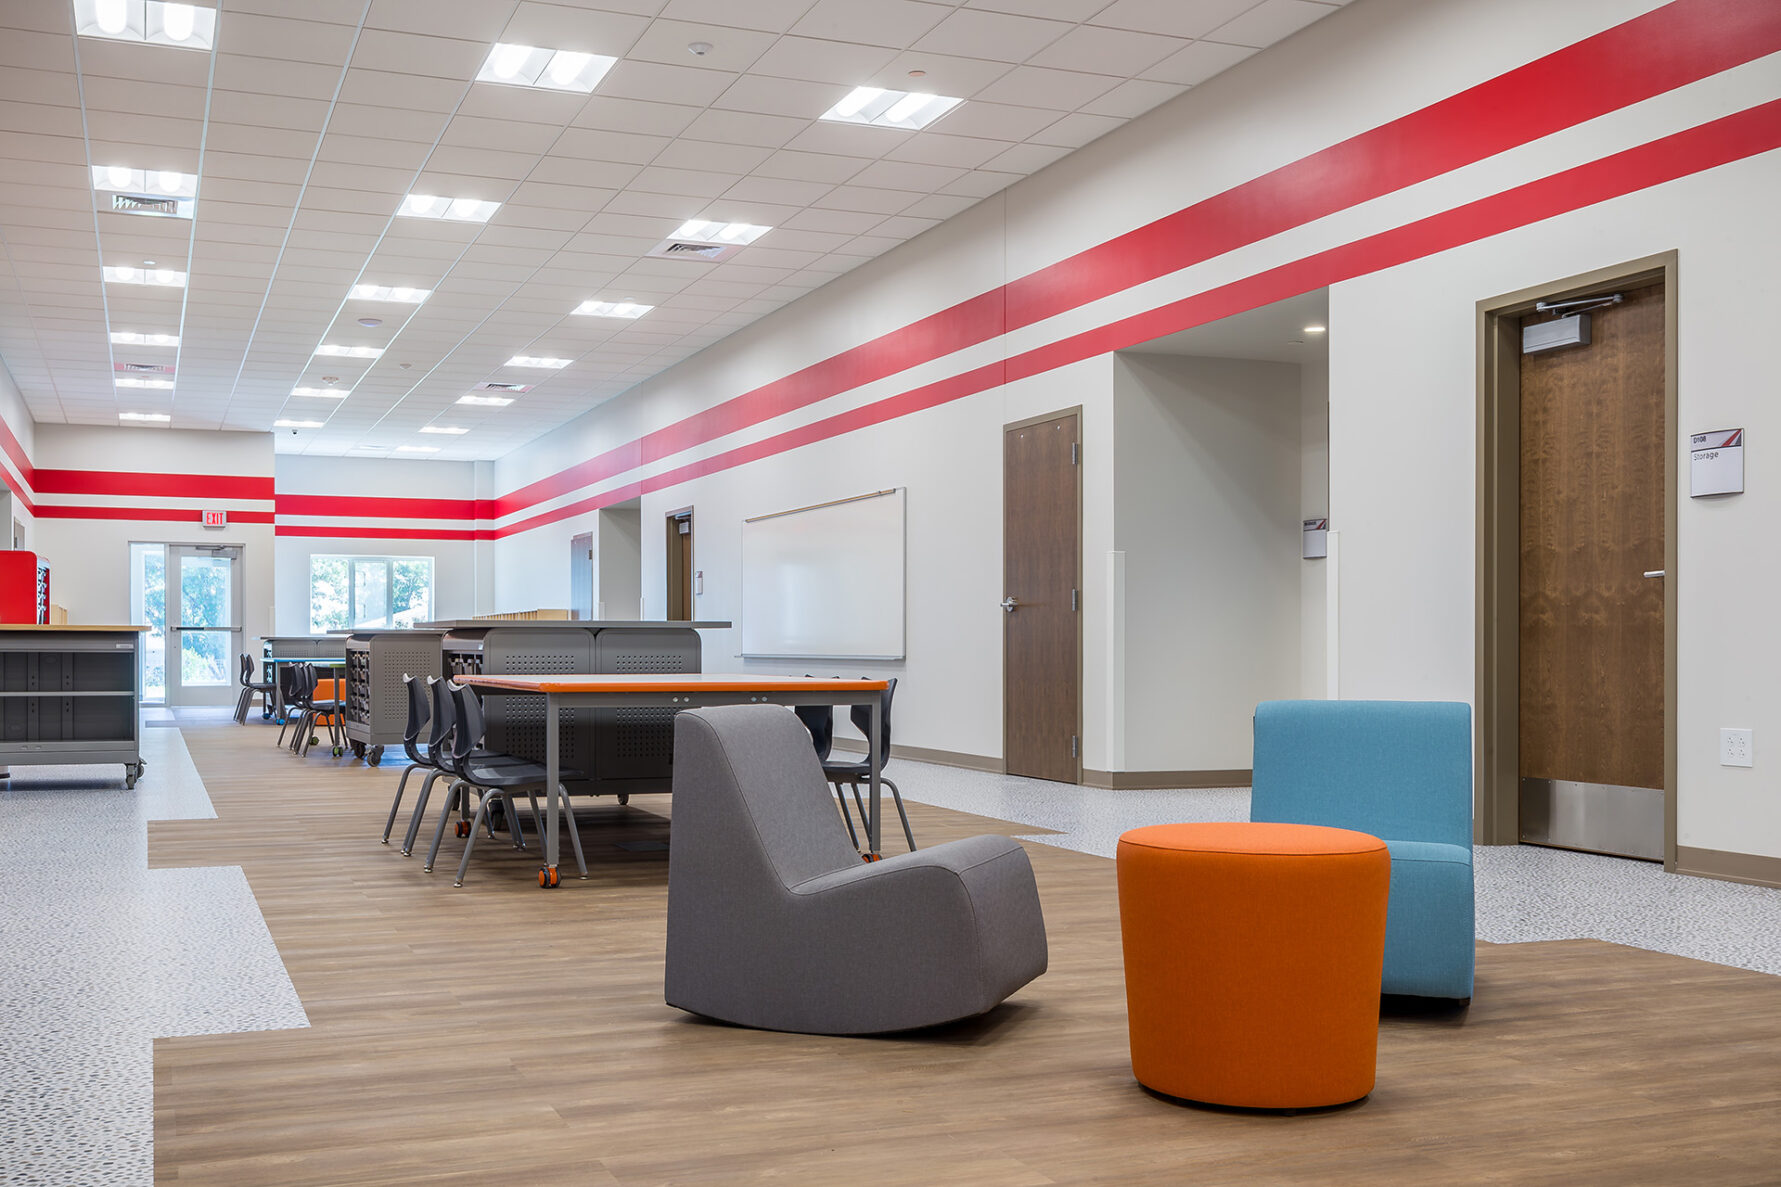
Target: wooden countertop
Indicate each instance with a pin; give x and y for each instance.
(66, 628)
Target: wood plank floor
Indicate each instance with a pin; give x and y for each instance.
(503, 1033)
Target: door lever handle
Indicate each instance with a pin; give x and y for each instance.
(1009, 604)
(1654, 572)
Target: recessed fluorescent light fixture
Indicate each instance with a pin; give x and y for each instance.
(444, 430)
(417, 449)
(161, 385)
(486, 401)
(164, 277)
(890, 109)
(147, 417)
(698, 230)
(383, 292)
(187, 26)
(554, 69)
(297, 424)
(325, 393)
(1315, 329)
(349, 352)
(160, 183)
(550, 364)
(624, 309)
(130, 338)
(457, 210)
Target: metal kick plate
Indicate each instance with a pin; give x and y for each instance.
(1595, 817)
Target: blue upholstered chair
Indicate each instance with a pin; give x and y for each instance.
(1402, 771)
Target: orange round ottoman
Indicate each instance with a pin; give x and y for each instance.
(1252, 961)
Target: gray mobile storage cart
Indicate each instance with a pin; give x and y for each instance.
(623, 751)
(70, 696)
(376, 709)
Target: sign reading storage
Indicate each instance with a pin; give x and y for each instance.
(825, 582)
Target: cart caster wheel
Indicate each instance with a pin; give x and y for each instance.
(623, 800)
(374, 755)
(463, 828)
(868, 857)
(358, 750)
(547, 878)
(129, 783)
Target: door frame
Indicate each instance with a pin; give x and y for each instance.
(675, 569)
(212, 695)
(1082, 609)
(1497, 805)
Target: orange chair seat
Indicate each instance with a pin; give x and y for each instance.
(1252, 961)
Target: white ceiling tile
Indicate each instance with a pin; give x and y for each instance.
(1038, 86)
(739, 127)
(471, 20)
(811, 60)
(1171, 18)
(1107, 51)
(806, 166)
(893, 23)
(1132, 98)
(584, 30)
(418, 54)
(992, 121)
(1074, 131)
(997, 36)
(1197, 62)
(708, 155)
(1268, 22)
(733, 50)
(287, 39)
(849, 140)
(781, 96)
(633, 115)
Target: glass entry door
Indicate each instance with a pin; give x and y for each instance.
(203, 592)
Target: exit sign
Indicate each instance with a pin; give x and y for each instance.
(216, 519)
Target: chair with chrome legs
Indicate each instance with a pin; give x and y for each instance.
(494, 782)
(418, 716)
(443, 722)
(855, 773)
(250, 686)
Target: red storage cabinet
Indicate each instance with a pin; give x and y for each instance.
(24, 587)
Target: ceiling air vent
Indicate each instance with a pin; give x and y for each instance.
(145, 204)
(521, 388)
(142, 368)
(708, 253)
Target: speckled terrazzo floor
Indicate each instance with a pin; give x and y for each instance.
(100, 955)
(1524, 892)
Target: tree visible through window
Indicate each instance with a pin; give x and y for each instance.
(376, 592)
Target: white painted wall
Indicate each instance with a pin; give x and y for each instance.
(17, 418)
(1206, 479)
(618, 563)
(89, 558)
(1407, 381)
(1314, 503)
(1401, 390)
(454, 561)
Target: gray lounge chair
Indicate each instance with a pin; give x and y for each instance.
(774, 922)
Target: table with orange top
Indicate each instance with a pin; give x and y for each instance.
(681, 690)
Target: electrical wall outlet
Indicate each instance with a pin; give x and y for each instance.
(1736, 749)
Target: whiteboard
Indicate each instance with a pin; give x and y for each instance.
(825, 582)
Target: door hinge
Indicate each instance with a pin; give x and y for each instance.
(1075, 453)
(1074, 745)
(1075, 599)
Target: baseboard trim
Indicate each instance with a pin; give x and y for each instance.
(1153, 780)
(944, 758)
(1729, 867)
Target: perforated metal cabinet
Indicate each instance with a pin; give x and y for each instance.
(624, 751)
(376, 699)
(70, 697)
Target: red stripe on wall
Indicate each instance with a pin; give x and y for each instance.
(351, 507)
(1649, 55)
(20, 459)
(145, 514)
(387, 533)
(174, 486)
(1732, 138)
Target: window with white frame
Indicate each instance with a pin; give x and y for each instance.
(377, 592)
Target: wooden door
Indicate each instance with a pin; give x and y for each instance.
(1042, 624)
(680, 566)
(1592, 526)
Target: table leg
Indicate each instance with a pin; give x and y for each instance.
(875, 763)
(552, 777)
